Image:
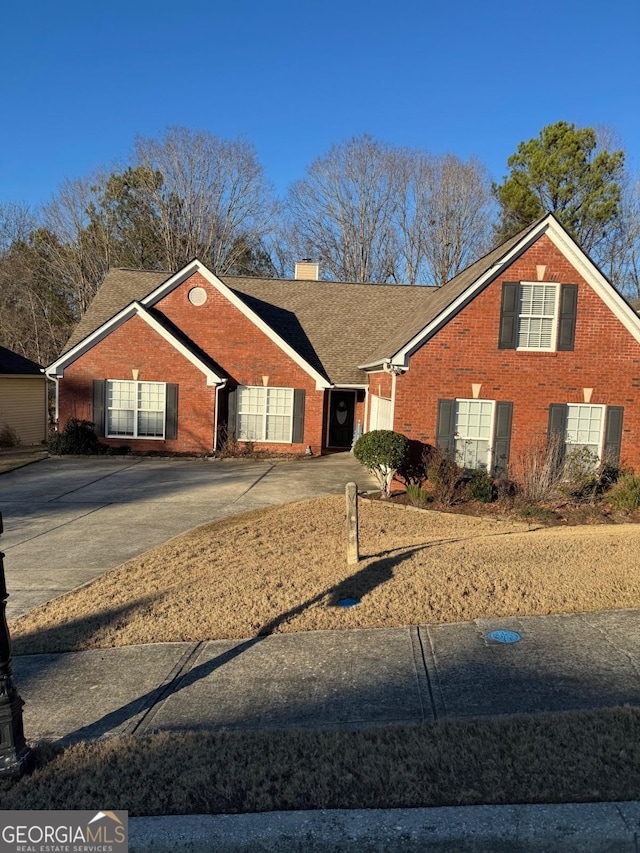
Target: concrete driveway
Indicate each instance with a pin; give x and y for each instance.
(68, 520)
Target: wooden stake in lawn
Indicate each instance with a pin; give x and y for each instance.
(353, 554)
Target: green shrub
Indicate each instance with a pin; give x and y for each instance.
(77, 437)
(625, 494)
(417, 496)
(382, 451)
(481, 486)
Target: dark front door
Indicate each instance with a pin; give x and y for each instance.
(341, 414)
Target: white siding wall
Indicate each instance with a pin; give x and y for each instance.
(381, 413)
(23, 407)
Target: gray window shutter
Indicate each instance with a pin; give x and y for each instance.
(502, 439)
(509, 315)
(171, 414)
(298, 415)
(558, 426)
(613, 435)
(232, 407)
(567, 321)
(99, 406)
(445, 430)
(558, 419)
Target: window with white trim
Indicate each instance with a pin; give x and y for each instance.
(473, 432)
(585, 428)
(265, 414)
(537, 310)
(135, 409)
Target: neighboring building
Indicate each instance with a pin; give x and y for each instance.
(531, 337)
(23, 399)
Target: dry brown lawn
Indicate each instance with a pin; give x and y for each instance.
(549, 758)
(284, 569)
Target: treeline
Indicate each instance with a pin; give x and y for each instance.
(366, 211)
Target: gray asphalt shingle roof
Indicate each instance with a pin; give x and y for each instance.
(334, 326)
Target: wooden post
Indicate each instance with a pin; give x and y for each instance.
(353, 554)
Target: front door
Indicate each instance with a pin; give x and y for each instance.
(342, 406)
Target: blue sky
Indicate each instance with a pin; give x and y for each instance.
(79, 80)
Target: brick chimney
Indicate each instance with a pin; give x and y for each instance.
(306, 270)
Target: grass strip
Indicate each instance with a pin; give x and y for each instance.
(586, 756)
(284, 569)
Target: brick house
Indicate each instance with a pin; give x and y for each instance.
(531, 337)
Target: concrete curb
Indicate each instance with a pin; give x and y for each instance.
(579, 827)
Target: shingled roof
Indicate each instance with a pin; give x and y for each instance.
(12, 364)
(334, 326)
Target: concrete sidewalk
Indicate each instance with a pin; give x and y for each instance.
(336, 679)
(347, 680)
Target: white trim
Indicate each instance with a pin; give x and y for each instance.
(197, 267)
(136, 411)
(492, 427)
(594, 278)
(355, 403)
(556, 317)
(603, 427)
(135, 308)
(266, 389)
(569, 248)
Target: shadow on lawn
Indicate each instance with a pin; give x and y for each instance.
(358, 585)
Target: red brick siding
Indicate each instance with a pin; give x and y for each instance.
(135, 345)
(244, 352)
(606, 358)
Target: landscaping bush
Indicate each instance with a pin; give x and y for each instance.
(625, 494)
(8, 436)
(446, 475)
(541, 469)
(382, 451)
(481, 486)
(77, 437)
(417, 495)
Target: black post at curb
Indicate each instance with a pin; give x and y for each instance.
(15, 756)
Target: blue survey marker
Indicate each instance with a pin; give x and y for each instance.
(348, 602)
(504, 636)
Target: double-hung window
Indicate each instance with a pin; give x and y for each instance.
(590, 427)
(538, 316)
(585, 428)
(476, 433)
(135, 409)
(265, 414)
(473, 432)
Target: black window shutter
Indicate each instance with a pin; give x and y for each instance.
(445, 430)
(567, 323)
(99, 406)
(232, 406)
(502, 439)
(171, 414)
(613, 435)
(509, 315)
(298, 415)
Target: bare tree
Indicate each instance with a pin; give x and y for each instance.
(212, 201)
(342, 213)
(444, 215)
